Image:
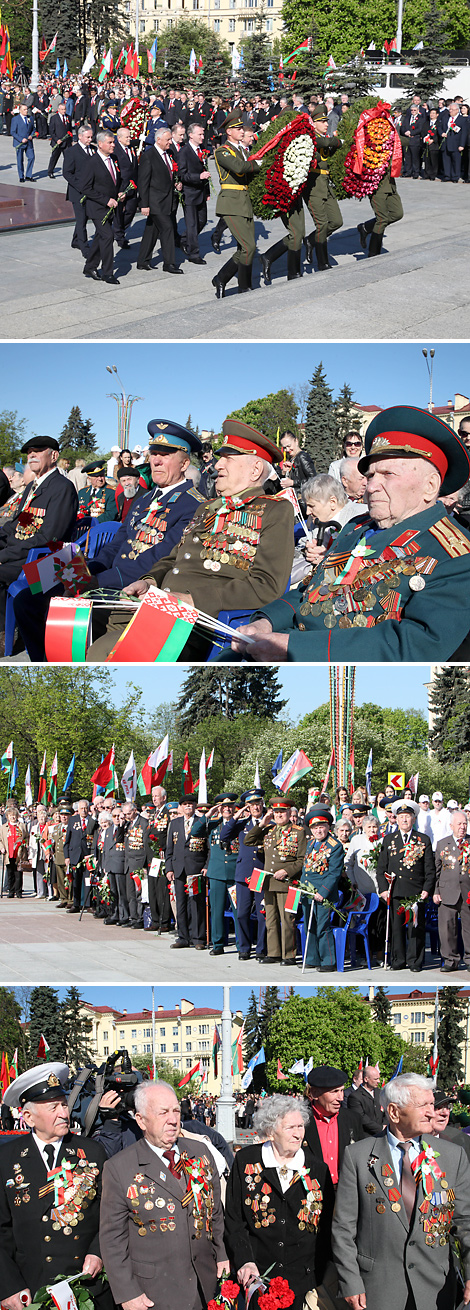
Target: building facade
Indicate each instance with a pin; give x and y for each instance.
(229, 19)
(413, 1019)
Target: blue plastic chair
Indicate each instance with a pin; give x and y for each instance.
(357, 923)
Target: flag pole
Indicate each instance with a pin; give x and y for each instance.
(306, 936)
(153, 1032)
(225, 1122)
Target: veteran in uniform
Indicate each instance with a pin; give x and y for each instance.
(97, 501)
(285, 844)
(59, 832)
(222, 861)
(137, 856)
(406, 871)
(319, 195)
(78, 844)
(161, 1218)
(396, 586)
(452, 857)
(322, 869)
(46, 513)
(234, 204)
(159, 896)
(185, 861)
(398, 1209)
(50, 1189)
(248, 858)
(279, 1202)
(230, 554)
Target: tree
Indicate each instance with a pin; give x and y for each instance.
(252, 1038)
(77, 436)
(449, 702)
(354, 78)
(270, 414)
(61, 16)
(216, 64)
(346, 415)
(12, 435)
(320, 424)
(300, 24)
(11, 1032)
(175, 45)
(164, 1072)
(256, 59)
(46, 1020)
(450, 1038)
(230, 692)
(76, 1029)
(17, 14)
(380, 1006)
(430, 60)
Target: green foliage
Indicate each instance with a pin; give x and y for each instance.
(276, 411)
(346, 415)
(430, 60)
(320, 423)
(450, 1037)
(257, 188)
(256, 59)
(335, 1027)
(76, 1028)
(380, 1006)
(12, 436)
(230, 692)
(17, 14)
(11, 1032)
(164, 1072)
(346, 129)
(449, 700)
(45, 1019)
(355, 79)
(257, 1027)
(175, 45)
(77, 436)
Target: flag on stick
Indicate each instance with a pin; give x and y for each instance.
(104, 773)
(129, 779)
(28, 794)
(295, 768)
(190, 1074)
(52, 793)
(202, 786)
(42, 780)
(7, 758)
(43, 1048)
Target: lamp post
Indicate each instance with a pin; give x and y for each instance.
(429, 367)
(35, 49)
(124, 404)
(226, 1101)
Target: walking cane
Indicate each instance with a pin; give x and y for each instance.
(310, 917)
(388, 921)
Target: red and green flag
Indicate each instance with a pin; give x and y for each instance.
(42, 788)
(161, 626)
(4, 1073)
(305, 45)
(43, 1048)
(292, 900)
(191, 1074)
(280, 1075)
(294, 769)
(52, 793)
(14, 1067)
(237, 1052)
(104, 774)
(6, 761)
(216, 1045)
(187, 786)
(257, 879)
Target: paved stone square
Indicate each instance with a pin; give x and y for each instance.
(420, 286)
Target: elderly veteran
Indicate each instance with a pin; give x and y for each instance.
(394, 1250)
(237, 550)
(406, 871)
(284, 844)
(48, 1230)
(96, 501)
(322, 869)
(395, 588)
(279, 1202)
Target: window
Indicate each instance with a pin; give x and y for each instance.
(162, 1048)
(216, 22)
(188, 1063)
(147, 1048)
(269, 24)
(206, 1061)
(204, 1027)
(134, 1034)
(418, 1017)
(142, 25)
(188, 1029)
(204, 1046)
(122, 1035)
(188, 1046)
(162, 1032)
(396, 1018)
(105, 1037)
(248, 24)
(134, 1050)
(231, 24)
(175, 1032)
(175, 1064)
(175, 1046)
(106, 1050)
(418, 1037)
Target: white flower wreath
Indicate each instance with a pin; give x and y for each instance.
(297, 160)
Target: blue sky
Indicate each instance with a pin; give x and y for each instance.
(210, 380)
(134, 998)
(395, 686)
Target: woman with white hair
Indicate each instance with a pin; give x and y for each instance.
(361, 868)
(330, 508)
(279, 1202)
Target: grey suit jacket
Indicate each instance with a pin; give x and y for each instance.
(449, 877)
(378, 1253)
(167, 1260)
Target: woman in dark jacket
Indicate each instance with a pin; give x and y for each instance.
(279, 1202)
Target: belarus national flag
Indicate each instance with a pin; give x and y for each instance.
(188, 1076)
(160, 626)
(295, 769)
(52, 795)
(28, 795)
(257, 879)
(292, 900)
(120, 57)
(43, 1048)
(42, 780)
(65, 565)
(129, 779)
(280, 1075)
(304, 46)
(216, 1045)
(210, 760)
(14, 1067)
(237, 1052)
(186, 777)
(105, 771)
(7, 759)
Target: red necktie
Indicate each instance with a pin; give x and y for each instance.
(110, 166)
(168, 163)
(200, 155)
(170, 1156)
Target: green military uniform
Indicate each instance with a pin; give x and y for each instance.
(63, 886)
(387, 207)
(322, 870)
(221, 875)
(234, 205)
(321, 201)
(97, 503)
(294, 222)
(284, 848)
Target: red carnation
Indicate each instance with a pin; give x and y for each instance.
(230, 1290)
(213, 1305)
(279, 1287)
(267, 1302)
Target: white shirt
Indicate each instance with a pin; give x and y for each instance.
(396, 1151)
(159, 1151)
(440, 825)
(163, 154)
(40, 1145)
(423, 823)
(270, 1162)
(42, 479)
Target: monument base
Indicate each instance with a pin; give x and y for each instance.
(26, 206)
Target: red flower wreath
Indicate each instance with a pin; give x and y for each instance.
(375, 147)
(278, 191)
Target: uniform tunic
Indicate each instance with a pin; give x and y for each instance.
(233, 201)
(322, 869)
(318, 194)
(411, 865)
(220, 872)
(97, 503)
(159, 896)
(284, 848)
(248, 858)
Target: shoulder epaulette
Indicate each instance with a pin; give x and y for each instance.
(451, 538)
(332, 841)
(195, 494)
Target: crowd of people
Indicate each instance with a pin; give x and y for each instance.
(280, 878)
(338, 1198)
(284, 541)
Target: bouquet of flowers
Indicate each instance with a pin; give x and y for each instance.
(286, 151)
(43, 1299)
(278, 1296)
(126, 192)
(370, 859)
(227, 1294)
(409, 910)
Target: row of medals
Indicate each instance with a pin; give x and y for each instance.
(166, 1224)
(72, 1211)
(335, 607)
(240, 552)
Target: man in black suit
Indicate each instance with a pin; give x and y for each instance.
(113, 862)
(413, 129)
(74, 169)
(128, 166)
(46, 512)
(172, 108)
(60, 129)
(39, 105)
(195, 176)
(78, 843)
(406, 870)
(333, 1125)
(178, 134)
(453, 131)
(186, 857)
(156, 188)
(82, 107)
(365, 1102)
(159, 897)
(37, 1240)
(137, 857)
(101, 186)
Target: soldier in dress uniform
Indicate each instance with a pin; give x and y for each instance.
(229, 555)
(285, 844)
(322, 869)
(385, 200)
(185, 866)
(59, 832)
(395, 586)
(318, 193)
(78, 844)
(234, 203)
(452, 856)
(50, 1189)
(406, 871)
(113, 862)
(248, 858)
(222, 860)
(96, 502)
(159, 896)
(137, 856)
(110, 120)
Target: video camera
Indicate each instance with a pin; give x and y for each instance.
(93, 1082)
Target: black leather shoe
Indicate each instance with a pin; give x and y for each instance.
(74, 910)
(287, 962)
(199, 260)
(271, 959)
(138, 923)
(171, 268)
(448, 968)
(113, 919)
(199, 946)
(242, 957)
(147, 267)
(217, 950)
(113, 281)
(125, 245)
(92, 273)
(215, 244)
(179, 946)
(363, 234)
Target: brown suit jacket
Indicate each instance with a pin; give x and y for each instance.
(167, 1262)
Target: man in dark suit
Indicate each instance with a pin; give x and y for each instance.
(365, 1102)
(113, 864)
(74, 169)
(23, 131)
(60, 129)
(46, 513)
(195, 176)
(82, 107)
(159, 896)
(248, 858)
(413, 129)
(172, 109)
(453, 131)
(40, 1233)
(39, 106)
(451, 892)
(406, 870)
(156, 187)
(178, 134)
(78, 843)
(101, 186)
(128, 166)
(137, 857)
(333, 1125)
(186, 857)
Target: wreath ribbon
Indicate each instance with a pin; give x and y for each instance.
(382, 110)
(301, 121)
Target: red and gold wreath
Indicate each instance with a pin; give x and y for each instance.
(287, 174)
(375, 148)
(134, 115)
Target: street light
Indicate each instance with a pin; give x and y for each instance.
(124, 404)
(429, 367)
